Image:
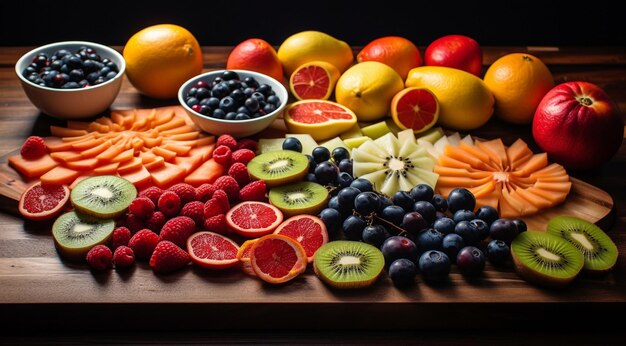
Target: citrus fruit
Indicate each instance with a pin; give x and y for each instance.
(160, 58)
(456, 51)
(415, 108)
(307, 46)
(319, 118)
(367, 89)
(42, 202)
(256, 55)
(518, 82)
(212, 250)
(314, 80)
(308, 230)
(277, 258)
(243, 255)
(394, 51)
(465, 101)
(254, 219)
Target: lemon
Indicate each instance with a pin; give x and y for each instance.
(367, 89)
(466, 102)
(308, 46)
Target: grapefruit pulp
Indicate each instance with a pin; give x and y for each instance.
(212, 250)
(415, 108)
(308, 230)
(314, 80)
(254, 219)
(42, 202)
(319, 118)
(277, 258)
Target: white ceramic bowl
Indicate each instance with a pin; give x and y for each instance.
(236, 128)
(72, 103)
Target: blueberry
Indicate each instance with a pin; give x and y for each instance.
(264, 89)
(219, 113)
(269, 108)
(347, 195)
(274, 100)
(498, 252)
(440, 203)
(312, 163)
(461, 198)
(366, 203)
(482, 227)
(56, 65)
(192, 92)
(104, 71)
(242, 109)
(340, 153)
(248, 91)
(426, 209)
(213, 102)
(396, 247)
(451, 245)
(242, 116)
(488, 214)
(311, 178)
(83, 83)
(402, 272)
(470, 261)
(403, 199)
(393, 214)
(333, 203)
(28, 71)
(251, 82)
(413, 222)
(220, 90)
(444, 225)
(503, 229)
(202, 93)
(206, 110)
(326, 172)
(434, 266)
(91, 78)
(332, 219)
(293, 144)
(233, 84)
(429, 239)
(258, 96)
(41, 60)
(463, 215)
(75, 62)
(345, 165)
(228, 104)
(230, 116)
(321, 154)
(468, 232)
(112, 65)
(384, 202)
(344, 179)
(230, 75)
(422, 192)
(100, 80)
(192, 101)
(353, 227)
(202, 84)
(238, 95)
(33, 78)
(70, 85)
(216, 81)
(111, 75)
(521, 225)
(375, 235)
(362, 184)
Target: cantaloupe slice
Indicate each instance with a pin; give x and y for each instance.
(140, 177)
(167, 175)
(107, 169)
(208, 172)
(66, 156)
(60, 175)
(83, 165)
(32, 168)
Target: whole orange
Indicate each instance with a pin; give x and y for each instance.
(256, 55)
(160, 58)
(394, 51)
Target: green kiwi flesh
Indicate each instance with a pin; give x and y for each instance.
(598, 249)
(75, 234)
(279, 167)
(105, 196)
(299, 198)
(545, 259)
(348, 264)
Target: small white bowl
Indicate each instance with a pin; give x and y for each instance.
(236, 128)
(72, 103)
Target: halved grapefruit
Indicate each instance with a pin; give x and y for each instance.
(277, 258)
(42, 202)
(314, 80)
(319, 118)
(254, 219)
(308, 230)
(212, 250)
(415, 108)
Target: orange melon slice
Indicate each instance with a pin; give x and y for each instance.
(32, 168)
(208, 172)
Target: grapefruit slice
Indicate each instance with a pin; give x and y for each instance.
(415, 108)
(319, 118)
(211, 250)
(254, 219)
(308, 230)
(42, 202)
(243, 255)
(314, 80)
(277, 258)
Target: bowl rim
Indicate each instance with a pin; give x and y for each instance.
(58, 45)
(248, 72)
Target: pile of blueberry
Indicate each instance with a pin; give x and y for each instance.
(67, 70)
(228, 97)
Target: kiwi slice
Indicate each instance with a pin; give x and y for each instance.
(348, 264)
(299, 198)
(106, 196)
(545, 259)
(598, 249)
(279, 167)
(75, 234)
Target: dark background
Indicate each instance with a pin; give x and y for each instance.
(228, 22)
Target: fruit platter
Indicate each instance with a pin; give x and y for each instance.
(382, 185)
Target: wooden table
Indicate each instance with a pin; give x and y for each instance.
(40, 292)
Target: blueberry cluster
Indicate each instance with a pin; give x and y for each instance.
(67, 70)
(228, 97)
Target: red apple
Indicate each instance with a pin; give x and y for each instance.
(456, 51)
(578, 125)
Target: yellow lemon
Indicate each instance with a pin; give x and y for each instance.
(367, 89)
(466, 102)
(308, 46)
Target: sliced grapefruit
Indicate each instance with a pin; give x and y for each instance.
(212, 250)
(314, 80)
(42, 202)
(415, 108)
(254, 219)
(277, 258)
(308, 230)
(319, 118)
(243, 255)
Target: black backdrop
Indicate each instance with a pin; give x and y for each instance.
(228, 22)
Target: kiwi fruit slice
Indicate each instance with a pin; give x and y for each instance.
(348, 264)
(279, 167)
(106, 196)
(598, 249)
(299, 198)
(545, 259)
(75, 234)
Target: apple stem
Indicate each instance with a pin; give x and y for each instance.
(585, 101)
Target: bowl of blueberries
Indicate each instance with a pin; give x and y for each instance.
(236, 102)
(71, 79)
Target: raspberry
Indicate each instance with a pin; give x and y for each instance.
(186, 192)
(99, 257)
(123, 257)
(153, 193)
(168, 257)
(143, 243)
(243, 155)
(133, 223)
(195, 211)
(178, 229)
(169, 203)
(213, 207)
(216, 224)
(229, 185)
(141, 207)
(33, 148)
(239, 171)
(222, 155)
(247, 143)
(121, 236)
(155, 222)
(222, 199)
(255, 191)
(228, 141)
(204, 192)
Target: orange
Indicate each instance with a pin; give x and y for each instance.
(256, 55)
(518, 82)
(394, 51)
(314, 80)
(415, 108)
(277, 258)
(160, 58)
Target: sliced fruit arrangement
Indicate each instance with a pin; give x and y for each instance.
(319, 118)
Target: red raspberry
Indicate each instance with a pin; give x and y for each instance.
(213, 207)
(247, 143)
(222, 155)
(123, 257)
(255, 191)
(121, 236)
(239, 171)
(143, 243)
(155, 222)
(141, 207)
(178, 229)
(222, 199)
(153, 193)
(216, 224)
(204, 192)
(195, 211)
(228, 141)
(168, 257)
(186, 192)
(33, 148)
(229, 185)
(169, 203)
(133, 223)
(99, 257)
(243, 155)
